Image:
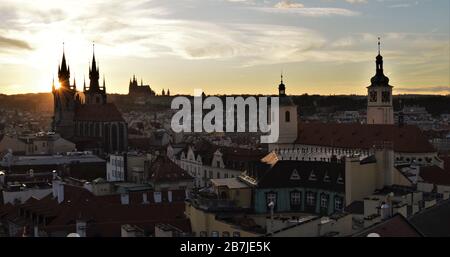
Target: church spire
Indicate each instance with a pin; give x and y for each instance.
(379, 78)
(94, 75)
(64, 71)
(379, 58)
(282, 87)
(379, 45)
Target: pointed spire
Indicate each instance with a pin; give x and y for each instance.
(84, 83)
(282, 87)
(53, 83)
(104, 84)
(94, 65)
(63, 61)
(379, 45)
(74, 82)
(142, 82)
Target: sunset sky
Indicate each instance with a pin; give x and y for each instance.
(228, 46)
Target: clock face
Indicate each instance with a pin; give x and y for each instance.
(373, 96)
(386, 96)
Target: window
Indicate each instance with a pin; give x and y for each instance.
(226, 175)
(215, 234)
(210, 174)
(296, 200)
(310, 198)
(225, 234)
(203, 234)
(218, 175)
(338, 203)
(324, 201)
(326, 178)
(218, 163)
(312, 176)
(236, 234)
(340, 180)
(288, 116)
(295, 175)
(386, 96)
(373, 96)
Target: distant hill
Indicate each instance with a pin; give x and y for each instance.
(308, 104)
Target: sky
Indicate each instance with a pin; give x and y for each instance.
(228, 46)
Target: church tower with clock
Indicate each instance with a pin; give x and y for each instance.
(379, 106)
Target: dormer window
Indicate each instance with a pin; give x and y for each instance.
(326, 178)
(340, 180)
(312, 176)
(295, 175)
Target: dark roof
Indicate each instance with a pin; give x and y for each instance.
(323, 175)
(435, 221)
(406, 139)
(207, 149)
(104, 214)
(98, 112)
(165, 170)
(356, 207)
(435, 175)
(397, 226)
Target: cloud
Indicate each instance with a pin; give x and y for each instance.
(357, 1)
(310, 11)
(13, 43)
(443, 89)
(285, 4)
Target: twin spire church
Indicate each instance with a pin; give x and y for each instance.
(90, 121)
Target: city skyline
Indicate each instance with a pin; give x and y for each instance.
(322, 47)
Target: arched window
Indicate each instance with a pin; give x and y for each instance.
(288, 116)
(114, 137)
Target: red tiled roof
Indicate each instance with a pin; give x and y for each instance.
(435, 175)
(98, 112)
(164, 169)
(405, 139)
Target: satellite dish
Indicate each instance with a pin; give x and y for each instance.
(73, 235)
(373, 235)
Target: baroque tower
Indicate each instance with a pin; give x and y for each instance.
(288, 120)
(379, 102)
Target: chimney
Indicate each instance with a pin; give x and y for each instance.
(169, 196)
(60, 193)
(125, 199)
(36, 231)
(144, 198)
(81, 228)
